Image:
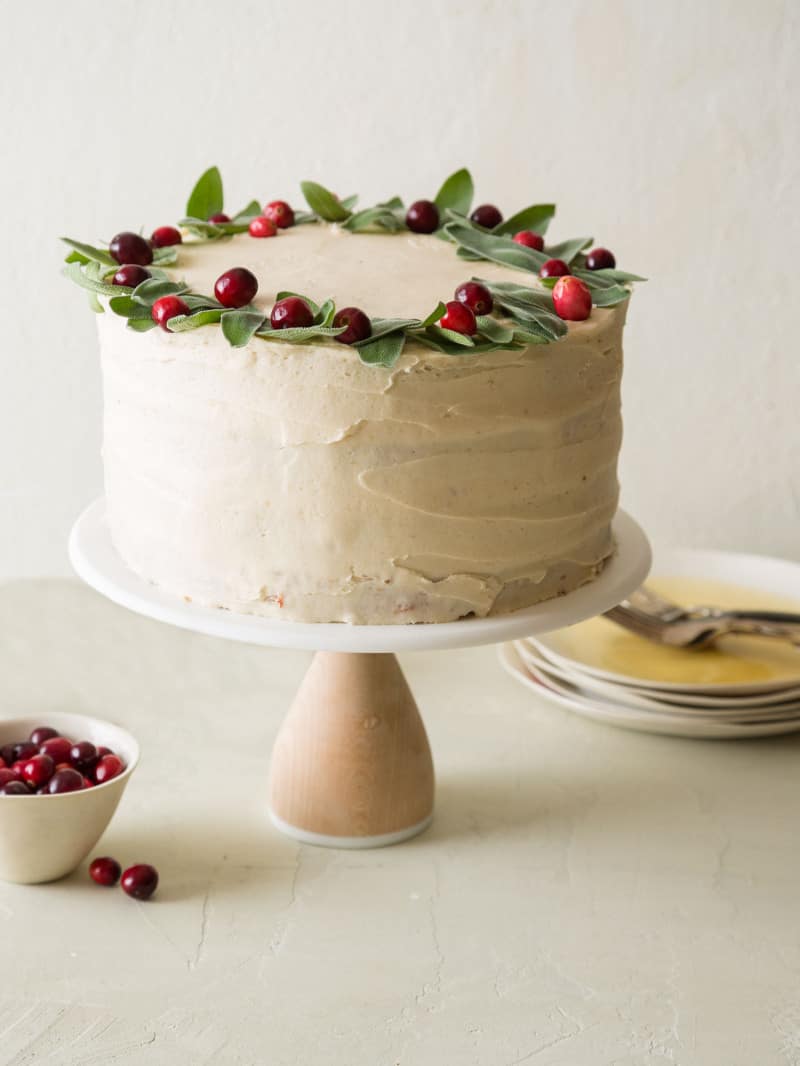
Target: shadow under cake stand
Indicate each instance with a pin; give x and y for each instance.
(351, 766)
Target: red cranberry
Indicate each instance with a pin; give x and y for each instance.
(528, 239)
(15, 788)
(2, 763)
(109, 767)
(572, 299)
(279, 212)
(487, 215)
(7, 754)
(103, 750)
(262, 227)
(220, 216)
(290, 313)
(167, 307)
(476, 297)
(131, 248)
(358, 325)
(25, 750)
(58, 748)
(83, 756)
(140, 881)
(7, 775)
(41, 734)
(130, 274)
(105, 871)
(554, 268)
(88, 783)
(600, 259)
(38, 770)
(235, 287)
(459, 318)
(67, 780)
(165, 236)
(423, 216)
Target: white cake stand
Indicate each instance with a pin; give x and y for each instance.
(351, 766)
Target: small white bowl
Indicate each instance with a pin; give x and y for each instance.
(46, 837)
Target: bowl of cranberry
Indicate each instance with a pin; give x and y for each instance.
(61, 778)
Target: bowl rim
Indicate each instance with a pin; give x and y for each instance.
(55, 716)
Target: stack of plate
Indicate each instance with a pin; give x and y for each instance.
(743, 687)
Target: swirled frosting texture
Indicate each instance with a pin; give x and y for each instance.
(295, 482)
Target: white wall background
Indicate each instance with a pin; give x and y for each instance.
(668, 130)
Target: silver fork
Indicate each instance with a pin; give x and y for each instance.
(656, 619)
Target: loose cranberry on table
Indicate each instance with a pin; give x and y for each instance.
(290, 313)
(487, 215)
(262, 227)
(105, 871)
(572, 299)
(600, 259)
(422, 216)
(458, 318)
(165, 237)
(358, 325)
(279, 212)
(38, 770)
(140, 881)
(65, 780)
(528, 239)
(109, 767)
(554, 268)
(131, 248)
(476, 297)
(130, 274)
(167, 307)
(236, 287)
(220, 216)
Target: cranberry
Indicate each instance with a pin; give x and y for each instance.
(165, 236)
(58, 748)
(140, 881)
(235, 287)
(38, 770)
(528, 239)
(279, 212)
(358, 325)
(2, 763)
(88, 783)
(262, 227)
(600, 259)
(487, 215)
(220, 216)
(41, 734)
(459, 318)
(7, 754)
(109, 767)
(105, 871)
(15, 788)
(572, 299)
(25, 750)
(167, 307)
(7, 775)
(83, 756)
(67, 780)
(423, 216)
(290, 313)
(103, 750)
(130, 274)
(131, 248)
(476, 297)
(554, 268)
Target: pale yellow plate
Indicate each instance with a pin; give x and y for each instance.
(737, 665)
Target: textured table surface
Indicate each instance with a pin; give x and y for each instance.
(585, 895)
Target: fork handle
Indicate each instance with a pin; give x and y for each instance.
(762, 623)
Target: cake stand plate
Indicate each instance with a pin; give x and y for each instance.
(351, 766)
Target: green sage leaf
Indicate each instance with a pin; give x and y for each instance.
(299, 334)
(325, 314)
(496, 249)
(323, 203)
(456, 193)
(378, 217)
(182, 323)
(494, 331)
(74, 272)
(567, 250)
(537, 218)
(152, 289)
(165, 256)
(461, 340)
(239, 326)
(88, 251)
(141, 325)
(383, 350)
(349, 202)
(206, 197)
(382, 327)
(247, 214)
(306, 299)
(435, 315)
(616, 275)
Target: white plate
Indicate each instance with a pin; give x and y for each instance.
(653, 698)
(601, 649)
(658, 724)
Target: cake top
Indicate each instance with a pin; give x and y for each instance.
(438, 274)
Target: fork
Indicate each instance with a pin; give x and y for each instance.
(654, 618)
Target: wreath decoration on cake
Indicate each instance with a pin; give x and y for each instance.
(481, 316)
